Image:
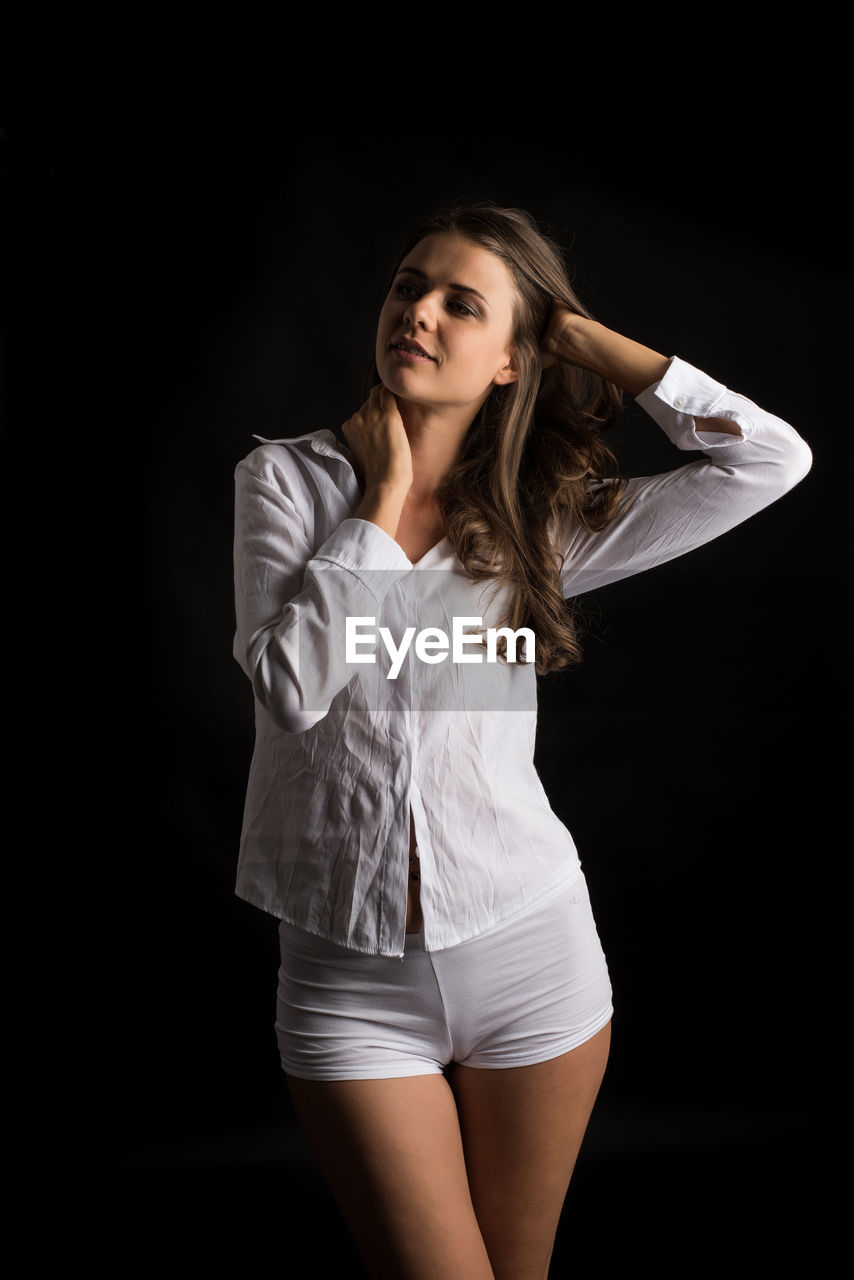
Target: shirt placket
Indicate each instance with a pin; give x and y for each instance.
(401, 740)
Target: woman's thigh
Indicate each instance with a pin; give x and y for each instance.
(522, 1128)
(392, 1154)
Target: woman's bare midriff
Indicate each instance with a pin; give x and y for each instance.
(414, 918)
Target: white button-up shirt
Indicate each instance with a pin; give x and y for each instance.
(353, 728)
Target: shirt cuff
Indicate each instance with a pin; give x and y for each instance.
(686, 393)
(366, 550)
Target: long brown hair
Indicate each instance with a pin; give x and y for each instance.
(532, 460)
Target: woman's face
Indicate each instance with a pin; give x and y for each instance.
(454, 300)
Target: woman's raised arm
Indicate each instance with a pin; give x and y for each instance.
(628, 364)
(292, 597)
(752, 458)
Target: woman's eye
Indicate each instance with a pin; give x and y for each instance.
(404, 289)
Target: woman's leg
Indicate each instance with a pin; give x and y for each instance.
(522, 1128)
(392, 1154)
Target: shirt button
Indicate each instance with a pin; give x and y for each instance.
(679, 402)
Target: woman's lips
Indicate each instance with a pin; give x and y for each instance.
(410, 357)
(409, 353)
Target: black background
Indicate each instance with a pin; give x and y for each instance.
(192, 264)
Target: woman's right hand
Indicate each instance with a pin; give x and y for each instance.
(379, 443)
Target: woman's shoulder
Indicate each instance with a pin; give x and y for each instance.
(275, 461)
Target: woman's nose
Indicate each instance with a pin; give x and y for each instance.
(421, 311)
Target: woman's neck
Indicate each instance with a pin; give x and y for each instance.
(435, 440)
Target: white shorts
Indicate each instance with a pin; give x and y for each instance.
(528, 990)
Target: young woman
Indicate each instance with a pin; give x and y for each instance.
(444, 1004)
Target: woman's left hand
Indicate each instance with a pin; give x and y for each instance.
(554, 344)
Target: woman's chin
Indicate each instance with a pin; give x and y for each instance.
(397, 379)
(402, 387)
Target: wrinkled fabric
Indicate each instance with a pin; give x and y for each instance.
(342, 750)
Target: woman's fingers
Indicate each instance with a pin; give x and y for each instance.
(556, 343)
(378, 439)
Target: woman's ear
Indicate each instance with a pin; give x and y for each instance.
(509, 373)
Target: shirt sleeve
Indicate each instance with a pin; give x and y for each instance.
(291, 601)
(664, 516)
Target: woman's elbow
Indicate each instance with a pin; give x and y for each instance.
(283, 700)
(288, 719)
(796, 465)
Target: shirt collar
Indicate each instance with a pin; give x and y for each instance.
(323, 441)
